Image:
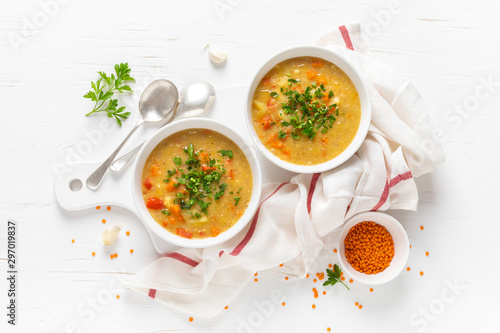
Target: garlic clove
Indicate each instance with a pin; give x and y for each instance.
(109, 235)
(215, 56)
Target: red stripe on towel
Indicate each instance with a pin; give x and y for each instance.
(182, 258)
(400, 178)
(383, 198)
(251, 230)
(347, 38)
(394, 181)
(152, 293)
(312, 187)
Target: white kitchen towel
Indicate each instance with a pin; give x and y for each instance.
(295, 218)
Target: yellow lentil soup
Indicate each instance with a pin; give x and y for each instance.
(306, 111)
(197, 183)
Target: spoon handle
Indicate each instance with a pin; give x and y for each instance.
(122, 161)
(95, 178)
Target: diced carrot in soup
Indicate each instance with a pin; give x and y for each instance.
(147, 184)
(175, 209)
(277, 143)
(155, 169)
(266, 121)
(316, 63)
(215, 231)
(171, 185)
(206, 168)
(321, 80)
(311, 74)
(155, 203)
(184, 233)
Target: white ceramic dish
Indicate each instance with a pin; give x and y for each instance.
(163, 133)
(401, 248)
(343, 63)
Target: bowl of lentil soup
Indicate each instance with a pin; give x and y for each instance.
(308, 109)
(373, 248)
(196, 183)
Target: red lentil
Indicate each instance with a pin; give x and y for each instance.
(369, 247)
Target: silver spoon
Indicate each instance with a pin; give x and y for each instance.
(158, 102)
(194, 99)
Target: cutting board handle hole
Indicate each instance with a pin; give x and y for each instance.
(75, 185)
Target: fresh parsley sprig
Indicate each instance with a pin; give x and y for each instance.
(104, 89)
(334, 276)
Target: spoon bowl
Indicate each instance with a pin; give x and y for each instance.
(158, 101)
(195, 98)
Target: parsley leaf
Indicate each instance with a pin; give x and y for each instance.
(228, 153)
(103, 90)
(274, 94)
(334, 276)
(236, 200)
(177, 161)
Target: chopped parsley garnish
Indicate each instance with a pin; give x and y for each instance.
(236, 200)
(228, 153)
(177, 161)
(274, 94)
(201, 178)
(307, 111)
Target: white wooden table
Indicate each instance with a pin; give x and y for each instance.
(50, 51)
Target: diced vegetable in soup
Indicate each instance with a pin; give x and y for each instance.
(197, 183)
(306, 111)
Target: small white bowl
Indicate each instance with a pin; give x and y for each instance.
(401, 248)
(165, 132)
(357, 79)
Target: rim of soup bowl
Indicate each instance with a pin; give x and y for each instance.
(162, 134)
(351, 71)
